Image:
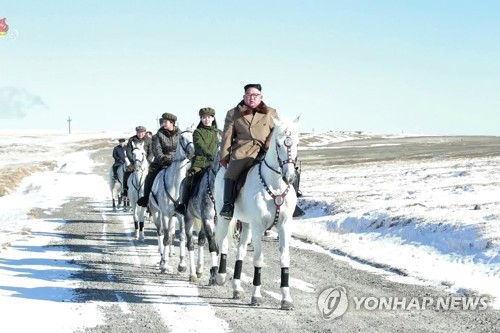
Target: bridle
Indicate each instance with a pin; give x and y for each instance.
(288, 142)
(184, 147)
(279, 199)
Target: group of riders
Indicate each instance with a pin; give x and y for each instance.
(245, 139)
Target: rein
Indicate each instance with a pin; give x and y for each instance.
(278, 199)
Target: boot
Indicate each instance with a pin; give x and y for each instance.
(181, 208)
(298, 212)
(229, 197)
(148, 184)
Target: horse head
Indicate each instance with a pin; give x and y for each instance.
(185, 144)
(284, 147)
(139, 158)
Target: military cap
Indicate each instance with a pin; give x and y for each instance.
(169, 116)
(207, 112)
(140, 129)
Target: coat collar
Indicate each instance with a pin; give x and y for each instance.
(245, 110)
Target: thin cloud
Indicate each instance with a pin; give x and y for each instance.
(17, 102)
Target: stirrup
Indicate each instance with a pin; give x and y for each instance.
(143, 202)
(181, 209)
(298, 212)
(227, 210)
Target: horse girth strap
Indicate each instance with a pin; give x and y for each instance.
(176, 202)
(278, 199)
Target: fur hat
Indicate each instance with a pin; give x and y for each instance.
(140, 129)
(169, 116)
(207, 112)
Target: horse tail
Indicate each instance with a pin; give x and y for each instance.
(219, 232)
(197, 224)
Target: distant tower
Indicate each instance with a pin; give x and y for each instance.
(69, 125)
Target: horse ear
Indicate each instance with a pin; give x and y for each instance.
(276, 121)
(296, 120)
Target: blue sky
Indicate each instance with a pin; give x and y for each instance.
(422, 66)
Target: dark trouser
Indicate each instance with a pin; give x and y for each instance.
(229, 197)
(125, 179)
(115, 169)
(148, 182)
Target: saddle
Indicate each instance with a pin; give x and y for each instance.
(196, 182)
(243, 176)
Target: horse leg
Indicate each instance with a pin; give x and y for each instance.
(171, 235)
(222, 228)
(156, 220)
(208, 233)
(284, 238)
(183, 236)
(258, 260)
(167, 239)
(188, 221)
(200, 265)
(238, 291)
(141, 213)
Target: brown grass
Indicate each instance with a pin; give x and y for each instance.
(12, 175)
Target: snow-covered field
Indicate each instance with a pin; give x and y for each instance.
(433, 220)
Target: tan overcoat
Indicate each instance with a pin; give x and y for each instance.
(245, 132)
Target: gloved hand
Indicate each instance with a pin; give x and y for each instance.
(166, 160)
(224, 163)
(130, 168)
(209, 157)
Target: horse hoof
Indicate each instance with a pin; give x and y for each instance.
(181, 268)
(199, 274)
(193, 278)
(256, 301)
(220, 279)
(286, 305)
(238, 294)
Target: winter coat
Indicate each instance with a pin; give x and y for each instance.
(246, 131)
(164, 146)
(119, 155)
(134, 141)
(205, 146)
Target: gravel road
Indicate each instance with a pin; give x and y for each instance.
(123, 274)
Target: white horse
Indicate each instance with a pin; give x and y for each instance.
(202, 207)
(267, 198)
(116, 186)
(164, 198)
(136, 188)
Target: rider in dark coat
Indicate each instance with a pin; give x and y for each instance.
(205, 148)
(118, 156)
(133, 141)
(164, 146)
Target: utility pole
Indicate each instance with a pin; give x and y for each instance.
(69, 125)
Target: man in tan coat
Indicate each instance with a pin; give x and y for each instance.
(247, 127)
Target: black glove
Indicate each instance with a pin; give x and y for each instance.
(166, 160)
(209, 157)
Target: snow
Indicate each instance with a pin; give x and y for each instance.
(413, 222)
